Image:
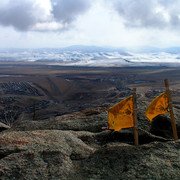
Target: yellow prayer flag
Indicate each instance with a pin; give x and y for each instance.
(158, 106)
(121, 115)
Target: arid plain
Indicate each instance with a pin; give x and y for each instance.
(36, 91)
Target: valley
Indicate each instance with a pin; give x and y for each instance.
(33, 91)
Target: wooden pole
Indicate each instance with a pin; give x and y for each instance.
(135, 118)
(171, 110)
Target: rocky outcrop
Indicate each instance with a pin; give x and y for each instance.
(93, 119)
(87, 120)
(75, 147)
(40, 154)
(57, 154)
(121, 161)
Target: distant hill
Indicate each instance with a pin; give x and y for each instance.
(85, 48)
(92, 49)
(80, 55)
(144, 49)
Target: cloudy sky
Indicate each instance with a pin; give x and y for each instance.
(117, 23)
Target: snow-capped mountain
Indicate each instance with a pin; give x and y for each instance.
(95, 56)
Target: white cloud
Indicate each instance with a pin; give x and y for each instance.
(65, 11)
(27, 15)
(23, 15)
(57, 23)
(149, 14)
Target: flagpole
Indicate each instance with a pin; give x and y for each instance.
(171, 110)
(135, 118)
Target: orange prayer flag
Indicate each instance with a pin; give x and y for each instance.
(121, 115)
(158, 106)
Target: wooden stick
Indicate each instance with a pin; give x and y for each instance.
(173, 123)
(135, 118)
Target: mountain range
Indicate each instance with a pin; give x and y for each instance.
(79, 55)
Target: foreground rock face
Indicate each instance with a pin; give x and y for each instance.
(40, 154)
(120, 161)
(56, 154)
(74, 147)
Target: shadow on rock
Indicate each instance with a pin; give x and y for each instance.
(161, 126)
(123, 136)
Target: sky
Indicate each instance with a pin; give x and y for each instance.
(115, 23)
